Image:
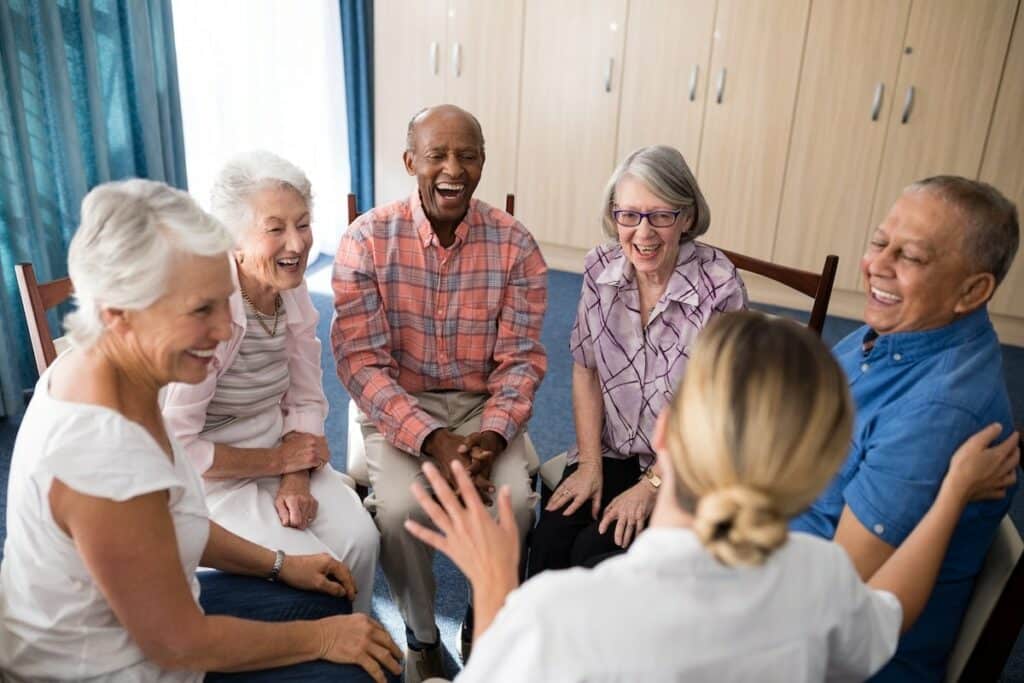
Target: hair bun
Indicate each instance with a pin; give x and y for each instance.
(739, 525)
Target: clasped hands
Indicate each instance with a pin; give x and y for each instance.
(299, 453)
(475, 452)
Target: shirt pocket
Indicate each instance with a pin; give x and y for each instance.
(476, 335)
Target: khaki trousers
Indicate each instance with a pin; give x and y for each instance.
(408, 563)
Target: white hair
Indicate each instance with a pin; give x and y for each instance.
(246, 174)
(121, 255)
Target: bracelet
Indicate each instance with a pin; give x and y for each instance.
(276, 569)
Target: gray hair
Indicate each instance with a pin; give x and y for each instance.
(245, 175)
(666, 174)
(410, 133)
(992, 228)
(121, 255)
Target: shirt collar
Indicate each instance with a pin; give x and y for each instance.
(619, 273)
(911, 345)
(426, 232)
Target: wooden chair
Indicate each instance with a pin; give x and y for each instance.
(818, 286)
(37, 299)
(994, 616)
(355, 451)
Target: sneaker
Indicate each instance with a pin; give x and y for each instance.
(423, 664)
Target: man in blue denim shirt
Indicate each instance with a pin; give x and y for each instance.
(925, 373)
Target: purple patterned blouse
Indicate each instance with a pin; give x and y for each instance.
(639, 368)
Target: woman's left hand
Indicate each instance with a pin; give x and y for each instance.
(320, 573)
(629, 510)
(296, 506)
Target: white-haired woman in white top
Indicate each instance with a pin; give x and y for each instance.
(717, 589)
(106, 517)
(254, 427)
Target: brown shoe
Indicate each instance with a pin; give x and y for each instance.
(423, 664)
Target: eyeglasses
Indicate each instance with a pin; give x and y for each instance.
(656, 219)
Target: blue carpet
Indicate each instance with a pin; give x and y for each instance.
(551, 429)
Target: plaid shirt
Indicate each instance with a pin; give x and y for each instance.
(412, 316)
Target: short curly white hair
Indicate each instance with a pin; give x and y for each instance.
(122, 253)
(243, 176)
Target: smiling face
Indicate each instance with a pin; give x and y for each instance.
(916, 274)
(650, 250)
(447, 159)
(175, 337)
(275, 247)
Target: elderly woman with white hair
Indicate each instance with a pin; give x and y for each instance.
(106, 517)
(646, 296)
(254, 427)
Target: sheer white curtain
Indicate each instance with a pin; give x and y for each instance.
(266, 74)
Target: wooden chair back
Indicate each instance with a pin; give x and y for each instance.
(818, 286)
(37, 298)
(353, 212)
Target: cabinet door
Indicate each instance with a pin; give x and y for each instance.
(665, 75)
(846, 91)
(485, 42)
(755, 59)
(409, 58)
(570, 96)
(953, 60)
(1004, 162)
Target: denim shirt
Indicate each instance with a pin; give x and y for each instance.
(919, 395)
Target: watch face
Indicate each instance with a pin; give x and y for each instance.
(654, 478)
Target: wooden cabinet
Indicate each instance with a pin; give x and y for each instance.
(749, 112)
(846, 92)
(1003, 165)
(570, 98)
(429, 52)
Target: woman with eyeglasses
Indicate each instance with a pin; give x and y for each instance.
(646, 296)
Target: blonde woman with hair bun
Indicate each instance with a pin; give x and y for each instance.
(716, 588)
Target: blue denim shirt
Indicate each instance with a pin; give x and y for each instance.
(919, 395)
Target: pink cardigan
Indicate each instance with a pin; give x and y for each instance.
(304, 405)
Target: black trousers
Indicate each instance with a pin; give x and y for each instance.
(559, 542)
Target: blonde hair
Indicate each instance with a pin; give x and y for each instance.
(759, 427)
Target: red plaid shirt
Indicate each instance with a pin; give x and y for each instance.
(412, 316)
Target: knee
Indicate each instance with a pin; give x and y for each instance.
(391, 513)
(524, 501)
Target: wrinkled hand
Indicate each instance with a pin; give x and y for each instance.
(320, 573)
(582, 485)
(482, 448)
(977, 472)
(296, 506)
(359, 639)
(629, 510)
(484, 549)
(301, 451)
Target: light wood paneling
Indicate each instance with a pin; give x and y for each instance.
(853, 49)
(743, 154)
(568, 120)
(953, 59)
(666, 41)
(404, 83)
(489, 37)
(1004, 161)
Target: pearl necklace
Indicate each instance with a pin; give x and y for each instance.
(259, 316)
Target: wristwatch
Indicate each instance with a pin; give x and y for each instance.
(652, 477)
(276, 569)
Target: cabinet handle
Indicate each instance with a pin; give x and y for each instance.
(433, 57)
(693, 82)
(457, 59)
(608, 75)
(876, 103)
(720, 88)
(908, 105)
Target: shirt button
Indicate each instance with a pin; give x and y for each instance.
(879, 529)
(897, 356)
(864, 367)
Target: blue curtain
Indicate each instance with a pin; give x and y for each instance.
(357, 46)
(88, 93)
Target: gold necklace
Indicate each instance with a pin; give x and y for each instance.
(259, 316)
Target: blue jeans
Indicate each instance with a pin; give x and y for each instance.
(248, 597)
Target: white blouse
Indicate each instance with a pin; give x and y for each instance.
(668, 611)
(54, 621)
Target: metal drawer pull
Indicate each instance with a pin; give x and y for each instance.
(876, 104)
(721, 86)
(908, 105)
(693, 82)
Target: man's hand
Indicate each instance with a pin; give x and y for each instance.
(445, 448)
(296, 507)
(482, 448)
